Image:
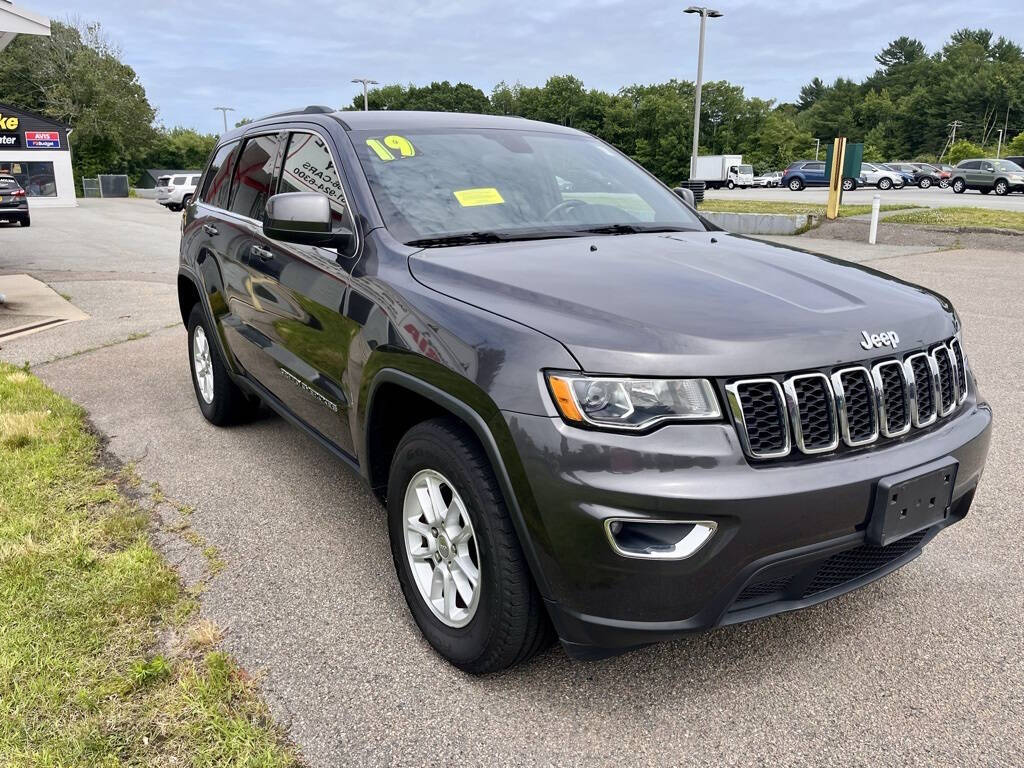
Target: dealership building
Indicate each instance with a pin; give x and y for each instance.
(34, 150)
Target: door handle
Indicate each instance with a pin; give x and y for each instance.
(210, 229)
(259, 252)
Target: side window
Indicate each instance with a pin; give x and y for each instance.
(309, 167)
(218, 177)
(193, 180)
(815, 167)
(179, 180)
(253, 176)
(987, 167)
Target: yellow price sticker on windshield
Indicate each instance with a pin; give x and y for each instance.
(481, 196)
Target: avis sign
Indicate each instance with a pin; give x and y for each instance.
(42, 139)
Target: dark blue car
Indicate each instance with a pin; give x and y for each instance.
(811, 173)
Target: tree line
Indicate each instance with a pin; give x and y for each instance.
(76, 76)
(904, 110)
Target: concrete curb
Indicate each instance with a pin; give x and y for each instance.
(762, 223)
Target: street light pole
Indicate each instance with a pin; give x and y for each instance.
(224, 111)
(366, 82)
(705, 14)
(999, 146)
(817, 146)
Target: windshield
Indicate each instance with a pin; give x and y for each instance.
(1006, 165)
(436, 184)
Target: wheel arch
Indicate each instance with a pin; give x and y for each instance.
(382, 432)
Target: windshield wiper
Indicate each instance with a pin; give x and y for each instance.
(474, 238)
(632, 229)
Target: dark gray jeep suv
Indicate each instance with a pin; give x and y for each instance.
(590, 414)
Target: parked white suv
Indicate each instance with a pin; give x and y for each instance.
(881, 177)
(175, 192)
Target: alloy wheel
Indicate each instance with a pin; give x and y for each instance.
(441, 548)
(202, 364)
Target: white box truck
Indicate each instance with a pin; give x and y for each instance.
(724, 171)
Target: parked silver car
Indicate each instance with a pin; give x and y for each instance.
(881, 177)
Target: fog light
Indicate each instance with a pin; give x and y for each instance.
(658, 539)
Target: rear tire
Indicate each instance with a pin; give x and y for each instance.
(185, 202)
(959, 186)
(219, 398)
(26, 222)
(504, 622)
(884, 183)
(849, 185)
(795, 184)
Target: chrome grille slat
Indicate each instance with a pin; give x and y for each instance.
(892, 394)
(948, 395)
(814, 412)
(855, 402)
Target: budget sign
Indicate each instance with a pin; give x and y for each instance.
(42, 139)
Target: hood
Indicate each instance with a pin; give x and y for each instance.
(700, 303)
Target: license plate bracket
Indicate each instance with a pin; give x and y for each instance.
(911, 501)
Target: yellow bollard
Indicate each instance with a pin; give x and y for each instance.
(835, 180)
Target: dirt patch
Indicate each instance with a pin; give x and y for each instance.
(905, 234)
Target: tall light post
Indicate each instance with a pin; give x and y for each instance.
(224, 111)
(366, 82)
(705, 14)
(817, 146)
(999, 146)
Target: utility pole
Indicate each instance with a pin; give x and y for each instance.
(366, 82)
(224, 111)
(999, 146)
(817, 146)
(954, 125)
(705, 14)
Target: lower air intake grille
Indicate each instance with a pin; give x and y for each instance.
(764, 588)
(854, 563)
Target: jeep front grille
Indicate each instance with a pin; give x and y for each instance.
(812, 413)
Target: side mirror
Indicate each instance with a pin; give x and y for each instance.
(686, 195)
(304, 218)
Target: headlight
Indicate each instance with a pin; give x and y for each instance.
(632, 404)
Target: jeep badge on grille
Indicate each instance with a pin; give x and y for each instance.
(876, 340)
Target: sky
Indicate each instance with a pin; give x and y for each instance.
(263, 56)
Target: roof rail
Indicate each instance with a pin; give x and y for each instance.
(312, 109)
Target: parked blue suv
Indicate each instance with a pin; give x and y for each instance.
(811, 173)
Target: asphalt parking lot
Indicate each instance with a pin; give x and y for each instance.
(933, 197)
(925, 667)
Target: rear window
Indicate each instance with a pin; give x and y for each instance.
(218, 177)
(8, 182)
(253, 176)
(163, 181)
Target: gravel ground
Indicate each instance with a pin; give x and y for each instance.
(925, 666)
(856, 230)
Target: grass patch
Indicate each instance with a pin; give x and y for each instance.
(721, 205)
(961, 217)
(103, 661)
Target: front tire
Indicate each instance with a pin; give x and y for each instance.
(924, 183)
(456, 553)
(849, 185)
(219, 398)
(1002, 188)
(959, 186)
(731, 185)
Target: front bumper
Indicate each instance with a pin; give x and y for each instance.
(777, 524)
